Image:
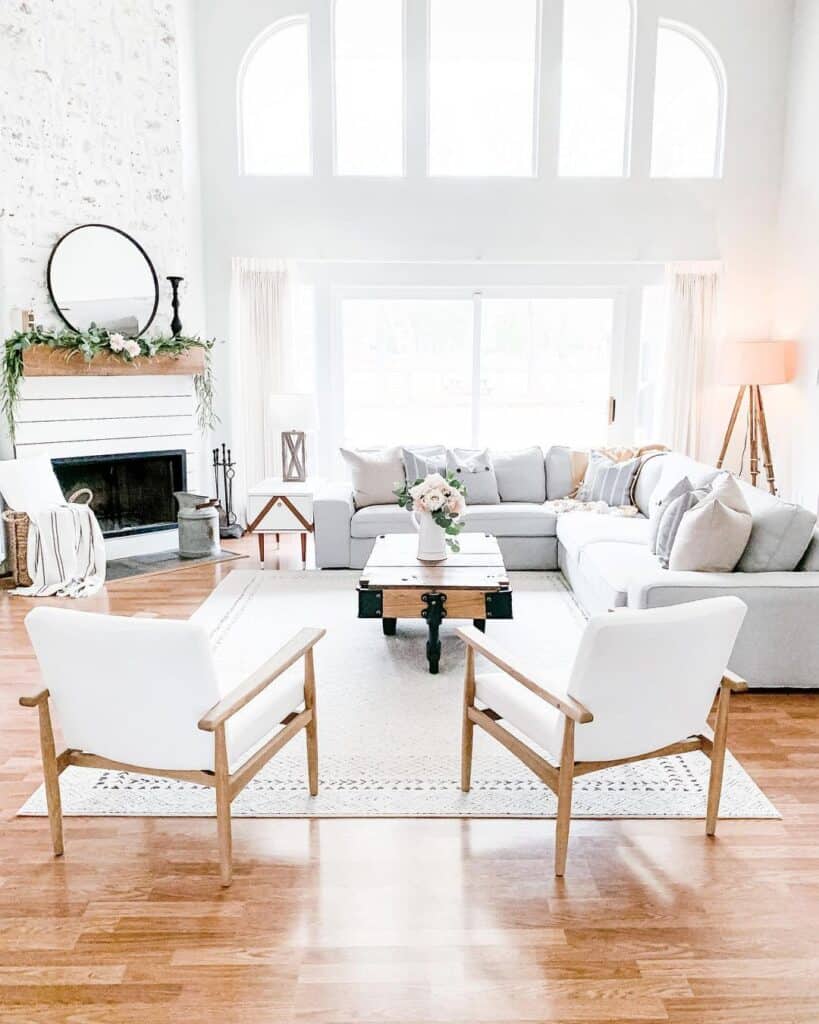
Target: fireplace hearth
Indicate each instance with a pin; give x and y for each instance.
(130, 493)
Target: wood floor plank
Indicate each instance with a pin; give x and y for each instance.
(433, 921)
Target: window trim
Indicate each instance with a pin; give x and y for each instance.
(334, 101)
(270, 30)
(534, 172)
(713, 57)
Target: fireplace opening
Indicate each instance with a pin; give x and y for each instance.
(130, 493)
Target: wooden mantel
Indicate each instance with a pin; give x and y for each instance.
(42, 361)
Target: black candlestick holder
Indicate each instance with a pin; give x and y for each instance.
(176, 323)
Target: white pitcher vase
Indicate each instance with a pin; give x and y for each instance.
(431, 538)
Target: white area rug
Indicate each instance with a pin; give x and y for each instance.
(389, 732)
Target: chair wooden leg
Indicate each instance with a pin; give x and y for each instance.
(311, 729)
(51, 776)
(223, 806)
(468, 730)
(717, 761)
(564, 798)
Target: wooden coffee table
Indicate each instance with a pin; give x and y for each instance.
(470, 585)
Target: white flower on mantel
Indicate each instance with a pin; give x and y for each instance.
(116, 343)
(132, 348)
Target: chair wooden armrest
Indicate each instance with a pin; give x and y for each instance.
(735, 683)
(495, 653)
(257, 681)
(33, 700)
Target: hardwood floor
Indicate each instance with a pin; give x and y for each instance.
(407, 920)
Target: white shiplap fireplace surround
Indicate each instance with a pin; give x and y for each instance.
(70, 412)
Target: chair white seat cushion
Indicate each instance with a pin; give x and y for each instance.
(255, 722)
(520, 708)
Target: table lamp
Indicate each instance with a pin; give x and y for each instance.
(294, 411)
(751, 364)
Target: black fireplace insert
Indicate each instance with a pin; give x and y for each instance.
(130, 493)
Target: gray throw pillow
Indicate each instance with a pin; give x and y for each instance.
(609, 481)
(810, 561)
(521, 475)
(670, 521)
(376, 473)
(780, 534)
(421, 461)
(680, 488)
(476, 473)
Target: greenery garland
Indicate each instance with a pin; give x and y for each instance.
(98, 341)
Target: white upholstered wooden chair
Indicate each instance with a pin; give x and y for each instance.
(642, 686)
(145, 695)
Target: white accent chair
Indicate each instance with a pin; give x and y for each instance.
(145, 696)
(642, 686)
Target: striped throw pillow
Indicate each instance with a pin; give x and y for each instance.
(608, 481)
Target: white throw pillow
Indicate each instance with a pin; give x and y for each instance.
(375, 474)
(713, 534)
(476, 473)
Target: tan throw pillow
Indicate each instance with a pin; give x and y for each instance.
(713, 534)
(375, 474)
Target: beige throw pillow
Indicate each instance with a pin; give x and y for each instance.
(375, 474)
(714, 533)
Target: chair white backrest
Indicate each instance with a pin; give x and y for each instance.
(649, 676)
(29, 485)
(128, 689)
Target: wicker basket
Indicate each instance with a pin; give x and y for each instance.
(17, 524)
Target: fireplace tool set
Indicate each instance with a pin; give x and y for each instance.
(224, 470)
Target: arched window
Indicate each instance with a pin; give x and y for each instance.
(368, 66)
(689, 105)
(274, 101)
(482, 87)
(595, 95)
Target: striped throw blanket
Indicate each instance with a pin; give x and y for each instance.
(66, 553)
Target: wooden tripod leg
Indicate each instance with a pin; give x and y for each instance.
(753, 443)
(223, 806)
(731, 424)
(311, 729)
(468, 728)
(51, 776)
(717, 761)
(767, 461)
(564, 798)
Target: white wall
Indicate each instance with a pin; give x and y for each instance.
(541, 220)
(797, 304)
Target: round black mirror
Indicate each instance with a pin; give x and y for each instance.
(98, 274)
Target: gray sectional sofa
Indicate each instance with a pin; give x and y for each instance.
(607, 560)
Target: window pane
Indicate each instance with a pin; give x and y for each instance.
(685, 142)
(275, 104)
(369, 88)
(653, 328)
(482, 87)
(545, 371)
(407, 371)
(594, 98)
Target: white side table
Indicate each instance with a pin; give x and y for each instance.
(281, 506)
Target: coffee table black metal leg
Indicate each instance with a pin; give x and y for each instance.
(388, 626)
(434, 613)
(479, 624)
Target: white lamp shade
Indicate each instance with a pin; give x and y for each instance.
(758, 362)
(293, 411)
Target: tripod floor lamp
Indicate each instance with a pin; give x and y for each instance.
(750, 365)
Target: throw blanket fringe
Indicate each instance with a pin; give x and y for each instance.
(66, 553)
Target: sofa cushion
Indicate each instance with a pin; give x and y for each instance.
(780, 534)
(611, 568)
(475, 471)
(577, 529)
(421, 461)
(376, 473)
(564, 469)
(674, 468)
(521, 475)
(647, 479)
(810, 561)
(712, 535)
(513, 519)
(523, 710)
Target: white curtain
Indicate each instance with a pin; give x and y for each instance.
(693, 298)
(263, 330)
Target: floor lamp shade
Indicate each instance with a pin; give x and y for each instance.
(751, 364)
(296, 414)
